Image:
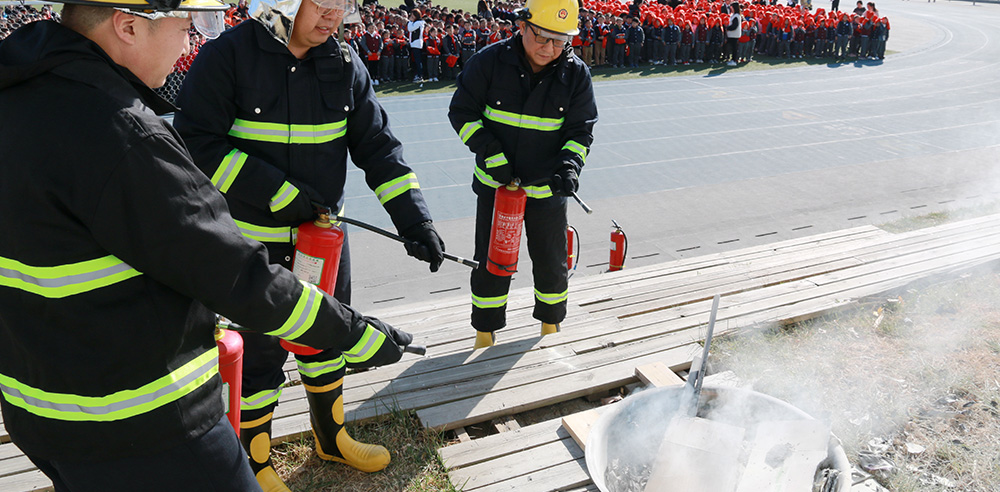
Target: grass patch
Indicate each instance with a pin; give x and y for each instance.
(415, 465)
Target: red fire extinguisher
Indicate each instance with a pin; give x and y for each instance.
(619, 246)
(230, 346)
(317, 259)
(505, 235)
(571, 236)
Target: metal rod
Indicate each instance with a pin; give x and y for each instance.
(580, 201)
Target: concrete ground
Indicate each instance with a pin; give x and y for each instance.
(692, 165)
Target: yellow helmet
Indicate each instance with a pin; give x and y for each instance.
(556, 16)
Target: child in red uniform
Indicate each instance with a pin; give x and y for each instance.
(432, 46)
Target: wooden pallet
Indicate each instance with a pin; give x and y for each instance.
(618, 321)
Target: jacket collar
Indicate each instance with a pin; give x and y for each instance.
(512, 53)
(327, 57)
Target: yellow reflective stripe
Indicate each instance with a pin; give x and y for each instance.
(486, 179)
(288, 134)
(56, 282)
(577, 148)
(552, 298)
(117, 406)
(489, 302)
(303, 315)
(522, 120)
(283, 197)
(496, 161)
(369, 344)
(392, 189)
(317, 369)
(266, 234)
(227, 171)
(538, 191)
(469, 129)
(260, 399)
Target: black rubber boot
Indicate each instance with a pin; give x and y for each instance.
(326, 412)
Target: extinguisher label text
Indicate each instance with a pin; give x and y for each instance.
(507, 238)
(614, 247)
(308, 268)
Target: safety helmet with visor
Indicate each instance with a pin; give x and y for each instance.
(278, 16)
(207, 16)
(555, 21)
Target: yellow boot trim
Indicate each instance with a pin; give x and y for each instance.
(323, 389)
(549, 328)
(269, 480)
(256, 423)
(368, 458)
(484, 339)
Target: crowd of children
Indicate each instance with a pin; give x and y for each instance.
(432, 43)
(15, 16)
(702, 31)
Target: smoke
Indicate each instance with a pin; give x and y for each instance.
(654, 442)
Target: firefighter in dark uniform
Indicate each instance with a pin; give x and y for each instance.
(118, 253)
(526, 108)
(270, 113)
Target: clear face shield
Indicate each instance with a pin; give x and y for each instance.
(278, 16)
(208, 23)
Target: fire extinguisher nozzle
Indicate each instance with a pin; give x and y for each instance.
(415, 349)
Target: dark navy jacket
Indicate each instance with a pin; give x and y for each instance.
(535, 129)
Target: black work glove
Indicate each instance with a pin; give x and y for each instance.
(565, 182)
(425, 244)
(300, 208)
(380, 344)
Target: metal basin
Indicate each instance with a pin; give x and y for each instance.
(619, 461)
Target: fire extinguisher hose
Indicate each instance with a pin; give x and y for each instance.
(448, 256)
(229, 325)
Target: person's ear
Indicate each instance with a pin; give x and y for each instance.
(125, 27)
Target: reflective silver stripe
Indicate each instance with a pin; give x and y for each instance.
(227, 171)
(283, 197)
(396, 187)
(117, 406)
(496, 160)
(578, 149)
(486, 179)
(316, 369)
(552, 298)
(522, 120)
(489, 302)
(369, 344)
(469, 129)
(267, 234)
(64, 280)
(538, 191)
(260, 400)
(303, 315)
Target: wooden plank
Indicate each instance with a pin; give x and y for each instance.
(578, 425)
(657, 375)
(15, 464)
(506, 423)
(33, 480)
(462, 455)
(565, 475)
(462, 435)
(541, 458)
(569, 385)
